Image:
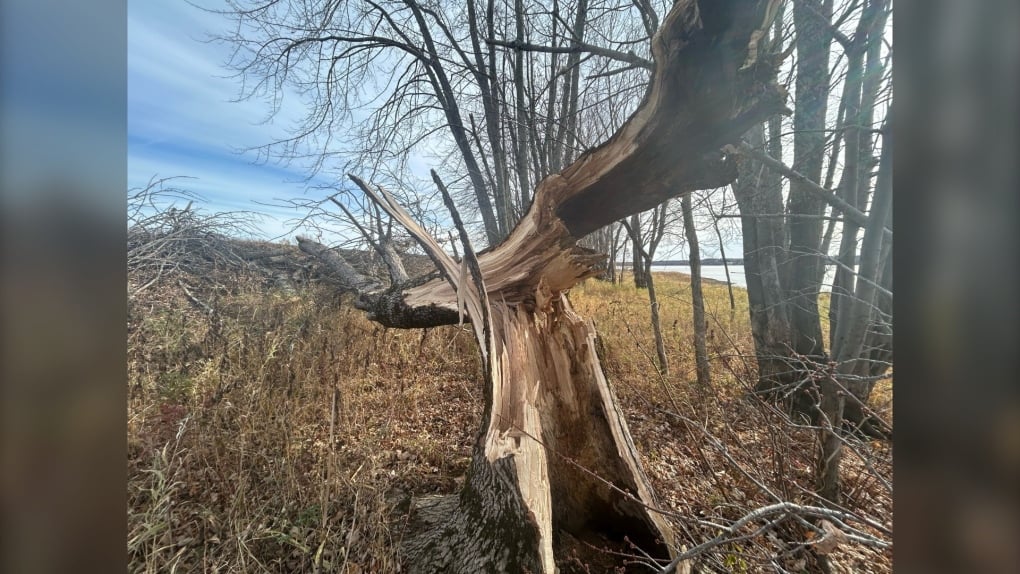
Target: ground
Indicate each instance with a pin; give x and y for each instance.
(282, 431)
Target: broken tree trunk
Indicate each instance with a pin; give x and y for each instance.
(554, 460)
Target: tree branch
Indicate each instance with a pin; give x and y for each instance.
(850, 212)
(577, 48)
(669, 146)
(783, 509)
(383, 246)
(339, 267)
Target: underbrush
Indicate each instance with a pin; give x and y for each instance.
(283, 432)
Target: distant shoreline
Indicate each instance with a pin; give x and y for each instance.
(712, 270)
(704, 262)
(681, 262)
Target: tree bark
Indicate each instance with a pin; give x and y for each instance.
(614, 249)
(521, 119)
(646, 255)
(853, 300)
(851, 362)
(764, 255)
(879, 339)
(566, 135)
(645, 258)
(810, 101)
(859, 101)
(485, 77)
(555, 455)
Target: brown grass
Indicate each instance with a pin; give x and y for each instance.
(288, 434)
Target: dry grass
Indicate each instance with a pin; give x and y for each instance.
(282, 435)
(287, 433)
(709, 458)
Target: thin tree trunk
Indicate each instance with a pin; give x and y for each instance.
(726, 269)
(853, 331)
(697, 299)
(486, 79)
(613, 251)
(623, 260)
(637, 242)
(764, 255)
(852, 361)
(521, 120)
(878, 343)
(832, 403)
(645, 257)
(549, 143)
(660, 345)
(842, 292)
(859, 101)
(774, 145)
(855, 301)
(722, 254)
(567, 134)
(874, 70)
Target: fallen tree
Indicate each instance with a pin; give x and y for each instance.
(554, 458)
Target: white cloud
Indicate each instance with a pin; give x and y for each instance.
(182, 120)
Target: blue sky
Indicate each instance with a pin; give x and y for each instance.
(182, 120)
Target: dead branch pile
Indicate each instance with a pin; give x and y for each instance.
(166, 241)
(168, 244)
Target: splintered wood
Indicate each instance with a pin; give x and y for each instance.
(554, 453)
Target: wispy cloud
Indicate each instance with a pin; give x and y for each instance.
(183, 120)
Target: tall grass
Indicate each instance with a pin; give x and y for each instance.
(286, 433)
(282, 433)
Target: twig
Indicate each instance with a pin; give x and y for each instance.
(784, 509)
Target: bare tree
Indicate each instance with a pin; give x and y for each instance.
(554, 453)
(786, 246)
(480, 86)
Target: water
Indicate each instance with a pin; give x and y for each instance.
(717, 272)
(737, 276)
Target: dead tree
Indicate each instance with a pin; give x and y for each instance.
(554, 458)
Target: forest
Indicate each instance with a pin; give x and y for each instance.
(477, 365)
